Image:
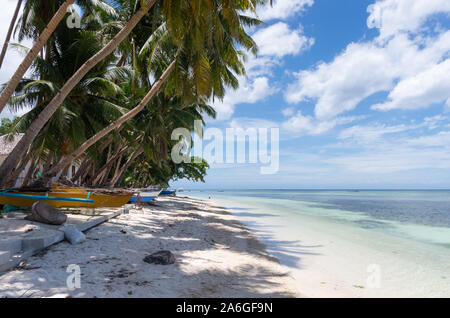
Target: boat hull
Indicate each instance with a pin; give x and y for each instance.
(145, 196)
(99, 200)
(167, 192)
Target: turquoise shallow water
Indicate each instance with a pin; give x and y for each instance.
(417, 215)
(407, 233)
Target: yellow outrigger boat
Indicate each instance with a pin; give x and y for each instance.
(67, 197)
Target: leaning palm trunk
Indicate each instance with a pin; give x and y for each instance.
(83, 167)
(109, 163)
(12, 179)
(88, 143)
(8, 35)
(124, 168)
(29, 173)
(37, 47)
(49, 110)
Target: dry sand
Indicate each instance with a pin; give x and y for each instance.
(216, 256)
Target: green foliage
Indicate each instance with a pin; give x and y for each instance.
(7, 124)
(206, 38)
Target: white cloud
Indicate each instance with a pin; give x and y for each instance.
(382, 149)
(250, 91)
(366, 68)
(308, 125)
(279, 40)
(340, 85)
(287, 112)
(247, 122)
(392, 16)
(371, 133)
(283, 9)
(274, 42)
(434, 121)
(441, 139)
(426, 88)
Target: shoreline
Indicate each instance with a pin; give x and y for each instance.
(332, 258)
(216, 256)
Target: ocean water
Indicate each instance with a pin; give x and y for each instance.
(405, 233)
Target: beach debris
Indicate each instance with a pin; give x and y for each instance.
(123, 231)
(160, 258)
(44, 213)
(73, 235)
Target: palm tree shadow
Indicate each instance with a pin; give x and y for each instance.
(210, 237)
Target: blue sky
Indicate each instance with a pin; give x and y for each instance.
(360, 91)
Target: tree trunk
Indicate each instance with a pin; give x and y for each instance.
(29, 173)
(88, 143)
(10, 30)
(37, 47)
(83, 178)
(12, 179)
(101, 172)
(49, 110)
(87, 162)
(131, 185)
(84, 165)
(124, 168)
(116, 171)
(48, 162)
(63, 175)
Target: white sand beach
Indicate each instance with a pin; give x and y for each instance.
(216, 256)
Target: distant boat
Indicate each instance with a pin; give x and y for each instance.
(167, 192)
(145, 196)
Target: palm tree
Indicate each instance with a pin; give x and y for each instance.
(10, 30)
(207, 48)
(93, 103)
(31, 133)
(37, 47)
(198, 36)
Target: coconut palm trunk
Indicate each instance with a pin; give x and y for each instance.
(109, 163)
(35, 50)
(49, 110)
(10, 30)
(124, 168)
(88, 143)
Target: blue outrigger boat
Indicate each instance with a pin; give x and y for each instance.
(145, 196)
(167, 192)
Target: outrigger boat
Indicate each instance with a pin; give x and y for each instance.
(55, 199)
(145, 196)
(167, 192)
(67, 197)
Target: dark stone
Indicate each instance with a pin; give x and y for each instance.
(44, 213)
(161, 258)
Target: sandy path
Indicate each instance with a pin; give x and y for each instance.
(216, 256)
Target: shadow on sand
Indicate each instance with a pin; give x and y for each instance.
(123, 268)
